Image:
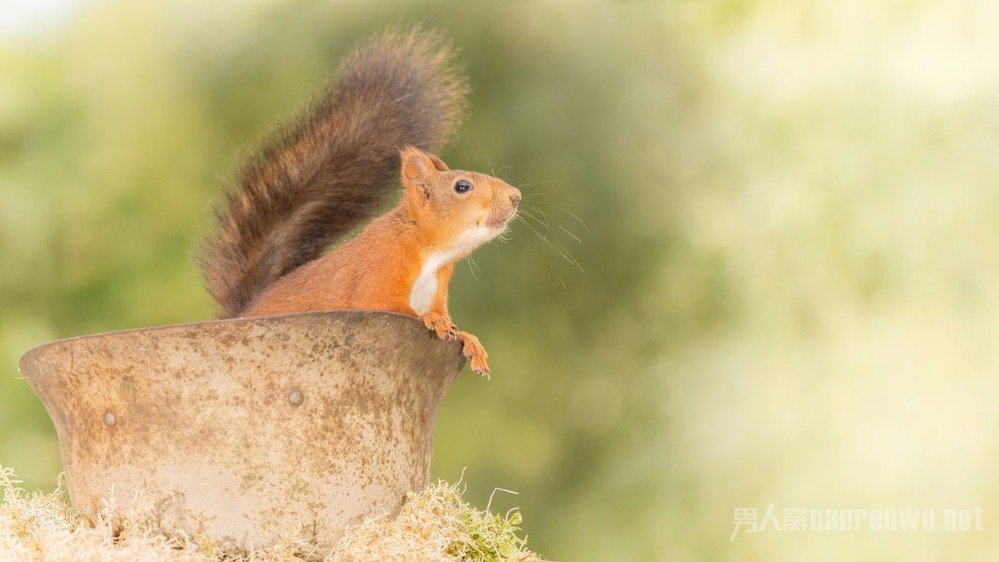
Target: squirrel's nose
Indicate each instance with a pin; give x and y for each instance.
(515, 197)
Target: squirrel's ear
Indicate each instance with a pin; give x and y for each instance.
(418, 167)
(438, 163)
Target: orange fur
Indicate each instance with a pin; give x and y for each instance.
(381, 268)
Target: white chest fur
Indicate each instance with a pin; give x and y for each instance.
(425, 286)
(421, 296)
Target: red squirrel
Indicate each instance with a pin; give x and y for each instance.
(395, 100)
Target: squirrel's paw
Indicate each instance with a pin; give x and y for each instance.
(475, 353)
(440, 325)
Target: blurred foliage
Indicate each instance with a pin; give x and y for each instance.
(786, 216)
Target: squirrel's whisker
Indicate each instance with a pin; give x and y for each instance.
(530, 214)
(472, 267)
(573, 236)
(563, 254)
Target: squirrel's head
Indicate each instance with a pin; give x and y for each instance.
(460, 210)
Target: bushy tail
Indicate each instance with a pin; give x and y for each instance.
(327, 171)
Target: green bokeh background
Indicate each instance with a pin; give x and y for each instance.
(785, 216)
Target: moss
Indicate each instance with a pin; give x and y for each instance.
(435, 524)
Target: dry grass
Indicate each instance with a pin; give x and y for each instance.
(433, 525)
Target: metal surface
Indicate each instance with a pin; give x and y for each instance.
(246, 429)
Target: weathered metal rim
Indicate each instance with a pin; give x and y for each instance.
(38, 349)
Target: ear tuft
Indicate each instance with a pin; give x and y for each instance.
(438, 163)
(418, 167)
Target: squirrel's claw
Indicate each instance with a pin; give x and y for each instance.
(475, 353)
(440, 325)
(471, 347)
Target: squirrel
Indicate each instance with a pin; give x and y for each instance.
(396, 101)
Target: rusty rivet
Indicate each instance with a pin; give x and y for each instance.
(296, 397)
(109, 419)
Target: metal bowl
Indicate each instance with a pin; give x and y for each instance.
(249, 429)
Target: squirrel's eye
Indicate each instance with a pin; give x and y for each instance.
(461, 186)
